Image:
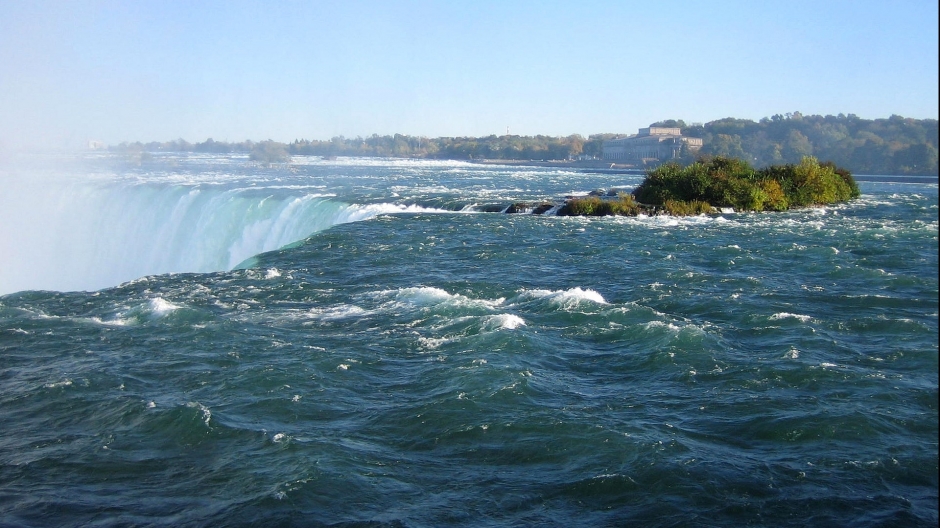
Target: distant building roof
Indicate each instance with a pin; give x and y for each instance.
(659, 131)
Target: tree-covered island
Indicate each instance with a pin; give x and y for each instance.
(712, 184)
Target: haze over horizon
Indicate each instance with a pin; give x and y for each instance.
(115, 71)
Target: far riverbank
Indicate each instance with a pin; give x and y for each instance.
(622, 168)
(594, 165)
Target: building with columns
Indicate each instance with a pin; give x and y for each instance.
(650, 145)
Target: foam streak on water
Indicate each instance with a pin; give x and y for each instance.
(428, 367)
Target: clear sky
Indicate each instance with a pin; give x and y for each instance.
(77, 70)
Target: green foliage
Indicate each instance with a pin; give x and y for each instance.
(847, 178)
(720, 181)
(670, 123)
(774, 199)
(624, 205)
(817, 184)
(489, 147)
(727, 182)
(684, 208)
(726, 145)
(662, 183)
(896, 145)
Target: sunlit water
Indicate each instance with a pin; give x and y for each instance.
(410, 360)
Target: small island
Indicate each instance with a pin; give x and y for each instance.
(720, 183)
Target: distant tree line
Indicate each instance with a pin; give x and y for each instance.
(508, 147)
(262, 151)
(895, 145)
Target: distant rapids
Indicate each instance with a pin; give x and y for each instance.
(203, 341)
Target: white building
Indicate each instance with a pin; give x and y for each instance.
(651, 144)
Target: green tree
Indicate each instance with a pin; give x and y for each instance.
(727, 145)
(918, 158)
(669, 123)
(796, 147)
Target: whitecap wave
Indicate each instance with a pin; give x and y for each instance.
(206, 413)
(335, 313)
(662, 324)
(160, 307)
(565, 299)
(428, 296)
(503, 321)
(786, 315)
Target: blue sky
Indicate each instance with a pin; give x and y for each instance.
(115, 71)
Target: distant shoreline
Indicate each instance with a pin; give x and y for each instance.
(888, 178)
(619, 168)
(596, 165)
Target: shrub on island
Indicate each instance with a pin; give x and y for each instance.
(624, 205)
(726, 182)
(683, 208)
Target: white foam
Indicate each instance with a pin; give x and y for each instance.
(119, 321)
(206, 413)
(426, 296)
(504, 321)
(661, 324)
(567, 298)
(272, 273)
(335, 313)
(787, 315)
(433, 342)
(161, 307)
(363, 212)
(423, 295)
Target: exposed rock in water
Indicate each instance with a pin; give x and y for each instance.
(524, 207)
(542, 208)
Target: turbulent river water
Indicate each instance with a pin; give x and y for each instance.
(203, 341)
